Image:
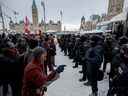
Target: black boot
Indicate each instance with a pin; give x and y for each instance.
(73, 61)
(76, 65)
(94, 94)
(5, 89)
(87, 83)
(81, 71)
(82, 79)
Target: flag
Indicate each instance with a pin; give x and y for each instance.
(61, 13)
(0, 11)
(26, 21)
(43, 4)
(26, 25)
(16, 13)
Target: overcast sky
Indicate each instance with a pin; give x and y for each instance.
(73, 10)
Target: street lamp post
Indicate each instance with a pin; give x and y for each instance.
(43, 5)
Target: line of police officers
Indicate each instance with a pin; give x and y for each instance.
(94, 50)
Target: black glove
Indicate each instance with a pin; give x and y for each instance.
(60, 68)
(45, 89)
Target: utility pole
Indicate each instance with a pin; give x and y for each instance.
(43, 5)
(1, 15)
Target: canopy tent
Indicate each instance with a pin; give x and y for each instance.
(121, 17)
(103, 23)
(93, 31)
(51, 31)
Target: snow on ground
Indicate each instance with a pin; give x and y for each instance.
(68, 84)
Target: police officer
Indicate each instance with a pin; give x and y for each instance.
(83, 49)
(119, 78)
(94, 58)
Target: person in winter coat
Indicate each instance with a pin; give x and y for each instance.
(46, 45)
(108, 46)
(119, 74)
(35, 79)
(83, 62)
(94, 58)
(52, 52)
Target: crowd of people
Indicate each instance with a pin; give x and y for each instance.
(27, 61)
(94, 52)
(24, 60)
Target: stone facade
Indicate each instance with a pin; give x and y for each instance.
(51, 26)
(88, 25)
(115, 7)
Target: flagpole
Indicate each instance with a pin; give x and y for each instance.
(61, 15)
(43, 5)
(1, 15)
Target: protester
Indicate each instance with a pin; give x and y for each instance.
(35, 79)
(16, 53)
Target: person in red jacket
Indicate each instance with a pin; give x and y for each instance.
(35, 79)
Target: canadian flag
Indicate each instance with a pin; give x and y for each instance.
(26, 25)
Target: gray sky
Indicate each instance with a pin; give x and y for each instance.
(73, 10)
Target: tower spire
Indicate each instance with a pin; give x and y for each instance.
(34, 14)
(34, 4)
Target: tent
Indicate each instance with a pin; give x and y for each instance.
(121, 17)
(103, 23)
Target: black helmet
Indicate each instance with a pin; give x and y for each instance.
(123, 40)
(124, 49)
(83, 38)
(124, 53)
(96, 38)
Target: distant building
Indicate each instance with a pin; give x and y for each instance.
(82, 26)
(89, 25)
(115, 7)
(104, 17)
(95, 17)
(50, 26)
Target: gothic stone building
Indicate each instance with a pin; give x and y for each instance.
(19, 27)
(115, 7)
